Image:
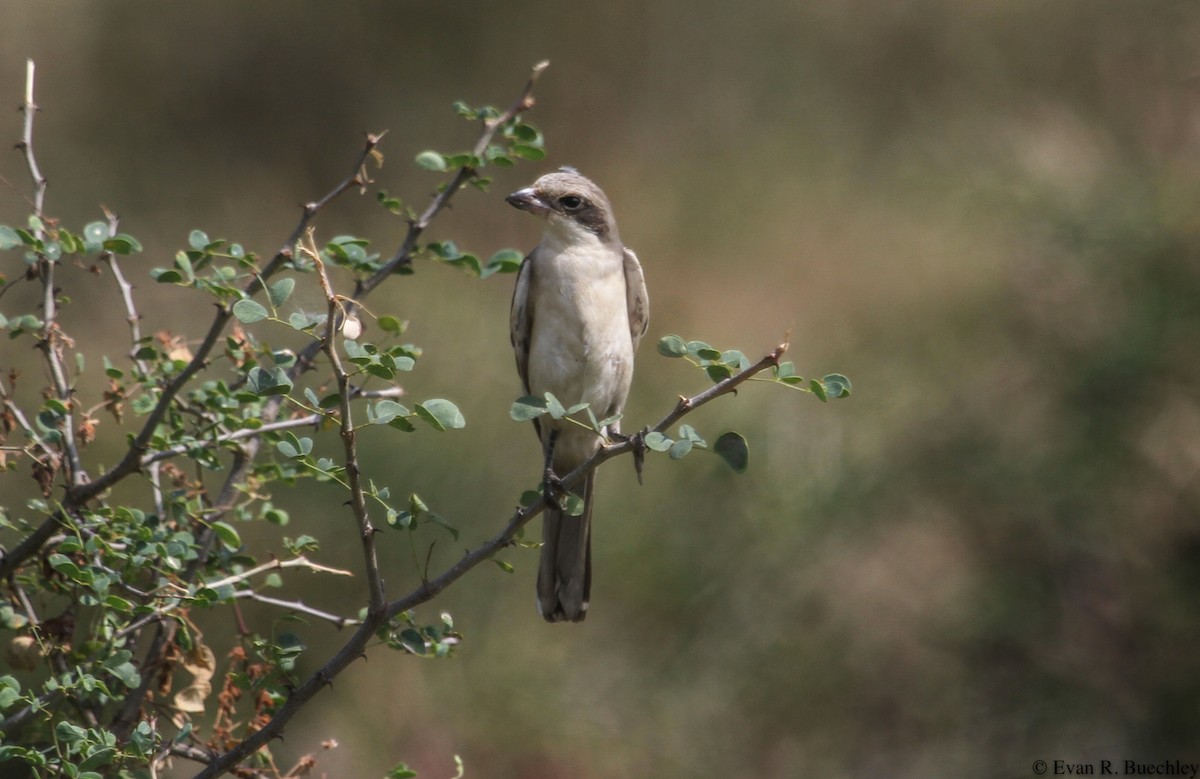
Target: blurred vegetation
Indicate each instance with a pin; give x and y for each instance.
(984, 213)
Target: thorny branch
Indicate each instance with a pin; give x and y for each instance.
(358, 500)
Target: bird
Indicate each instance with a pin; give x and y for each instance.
(579, 310)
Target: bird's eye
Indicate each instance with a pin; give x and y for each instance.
(571, 202)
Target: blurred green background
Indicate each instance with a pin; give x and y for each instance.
(984, 213)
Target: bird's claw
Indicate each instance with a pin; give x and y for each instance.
(637, 442)
(552, 489)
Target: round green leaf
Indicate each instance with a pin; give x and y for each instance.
(733, 450)
(198, 239)
(658, 442)
(441, 414)
(280, 290)
(672, 346)
(527, 408)
(836, 385)
(431, 160)
(9, 239)
(390, 324)
(680, 449)
(248, 311)
(96, 232)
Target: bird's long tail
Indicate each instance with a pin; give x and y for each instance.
(564, 583)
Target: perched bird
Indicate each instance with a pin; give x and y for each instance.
(579, 310)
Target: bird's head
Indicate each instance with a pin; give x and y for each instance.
(571, 204)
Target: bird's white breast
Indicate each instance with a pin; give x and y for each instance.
(581, 349)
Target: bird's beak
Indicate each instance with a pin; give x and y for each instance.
(527, 200)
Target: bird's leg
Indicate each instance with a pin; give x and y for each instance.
(552, 487)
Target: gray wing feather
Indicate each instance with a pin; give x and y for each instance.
(520, 319)
(636, 300)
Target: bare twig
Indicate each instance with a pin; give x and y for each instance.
(357, 643)
(300, 606)
(29, 108)
(276, 565)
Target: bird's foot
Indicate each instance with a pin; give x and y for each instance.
(638, 444)
(553, 490)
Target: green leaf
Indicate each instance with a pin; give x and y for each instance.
(10, 691)
(390, 324)
(528, 152)
(732, 448)
(387, 410)
(672, 346)
(400, 771)
(504, 566)
(264, 382)
(527, 408)
(280, 290)
(122, 244)
(227, 534)
(689, 432)
(441, 414)
(836, 385)
(503, 261)
(680, 449)
(166, 275)
(555, 407)
(718, 372)
(818, 389)
(9, 239)
(249, 311)
(526, 133)
(574, 505)
(735, 359)
(118, 603)
(198, 239)
(658, 442)
(431, 160)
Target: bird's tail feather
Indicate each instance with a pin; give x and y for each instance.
(565, 574)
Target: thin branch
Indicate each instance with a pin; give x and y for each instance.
(307, 420)
(358, 501)
(357, 643)
(29, 108)
(19, 415)
(358, 178)
(276, 565)
(300, 606)
(131, 313)
(50, 340)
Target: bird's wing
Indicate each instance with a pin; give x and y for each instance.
(520, 319)
(637, 302)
